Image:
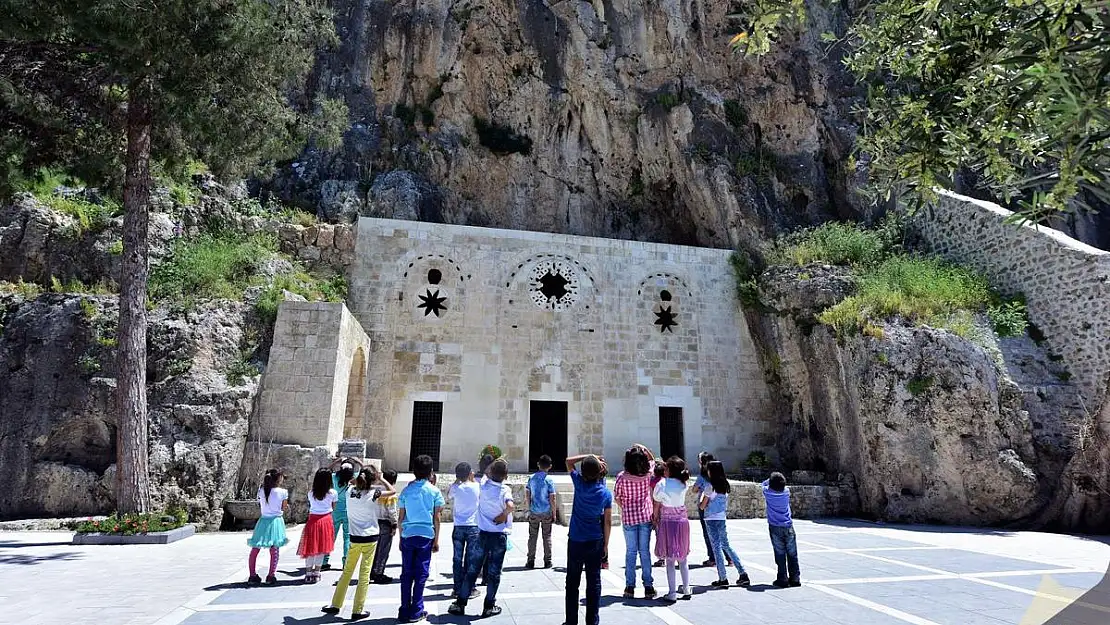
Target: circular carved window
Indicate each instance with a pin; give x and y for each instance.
(553, 284)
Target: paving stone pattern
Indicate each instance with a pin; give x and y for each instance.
(854, 574)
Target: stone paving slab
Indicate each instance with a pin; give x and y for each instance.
(854, 573)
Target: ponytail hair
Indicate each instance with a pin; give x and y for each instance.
(717, 477)
(676, 468)
(270, 481)
(366, 478)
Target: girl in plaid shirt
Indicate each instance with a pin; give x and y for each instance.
(633, 493)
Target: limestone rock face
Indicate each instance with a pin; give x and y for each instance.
(935, 427)
(58, 422)
(624, 118)
(37, 243)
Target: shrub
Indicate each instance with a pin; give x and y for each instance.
(297, 216)
(26, 289)
(333, 289)
(211, 267)
(834, 243)
(88, 364)
(757, 459)
(89, 309)
(916, 289)
(240, 370)
(746, 275)
(492, 450)
(130, 524)
(90, 217)
(76, 286)
(1009, 318)
(116, 247)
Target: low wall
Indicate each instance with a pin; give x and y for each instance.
(1066, 282)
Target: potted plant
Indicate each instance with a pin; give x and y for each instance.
(756, 466)
(492, 450)
(134, 529)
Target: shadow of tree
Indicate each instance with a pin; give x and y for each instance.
(63, 556)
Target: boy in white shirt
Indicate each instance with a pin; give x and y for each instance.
(464, 493)
(495, 523)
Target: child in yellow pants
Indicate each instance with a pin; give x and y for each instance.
(362, 514)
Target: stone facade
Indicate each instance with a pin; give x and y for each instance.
(316, 375)
(1066, 283)
(482, 322)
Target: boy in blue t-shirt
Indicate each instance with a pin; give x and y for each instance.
(540, 499)
(419, 507)
(781, 526)
(590, 524)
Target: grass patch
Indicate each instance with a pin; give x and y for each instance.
(240, 370)
(747, 278)
(131, 524)
(211, 267)
(834, 243)
(916, 289)
(919, 385)
(26, 289)
(293, 215)
(116, 247)
(76, 286)
(1009, 318)
(333, 289)
(90, 217)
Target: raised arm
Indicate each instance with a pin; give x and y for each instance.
(573, 460)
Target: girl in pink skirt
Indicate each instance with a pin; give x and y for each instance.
(673, 540)
(318, 537)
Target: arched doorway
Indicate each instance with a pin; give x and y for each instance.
(356, 396)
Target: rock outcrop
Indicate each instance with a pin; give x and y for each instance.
(936, 428)
(628, 119)
(58, 423)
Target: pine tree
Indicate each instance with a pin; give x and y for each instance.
(125, 83)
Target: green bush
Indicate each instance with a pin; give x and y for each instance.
(333, 289)
(116, 247)
(834, 243)
(919, 385)
(26, 289)
(130, 524)
(211, 267)
(492, 450)
(747, 279)
(916, 289)
(240, 370)
(76, 286)
(757, 459)
(1009, 318)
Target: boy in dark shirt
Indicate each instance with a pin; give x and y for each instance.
(590, 524)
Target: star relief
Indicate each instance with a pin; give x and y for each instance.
(432, 303)
(666, 319)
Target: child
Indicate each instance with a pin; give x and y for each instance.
(714, 503)
(700, 484)
(387, 527)
(495, 523)
(420, 504)
(539, 498)
(464, 492)
(318, 536)
(781, 527)
(659, 473)
(362, 514)
(343, 471)
(632, 491)
(588, 541)
(269, 532)
(673, 541)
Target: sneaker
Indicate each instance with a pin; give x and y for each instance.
(669, 597)
(254, 580)
(547, 564)
(794, 583)
(687, 592)
(270, 581)
(721, 583)
(419, 618)
(474, 593)
(325, 567)
(605, 565)
(649, 592)
(709, 563)
(658, 563)
(456, 609)
(743, 581)
(358, 616)
(493, 610)
(531, 564)
(381, 579)
(329, 609)
(629, 592)
(780, 583)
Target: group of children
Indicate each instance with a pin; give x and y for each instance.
(362, 505)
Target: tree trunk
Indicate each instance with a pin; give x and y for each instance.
(132, 470)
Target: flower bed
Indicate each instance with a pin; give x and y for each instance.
(132, 524)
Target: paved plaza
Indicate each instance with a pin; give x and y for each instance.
(853, 573)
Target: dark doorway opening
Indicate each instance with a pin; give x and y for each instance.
(548, 434)
(672, 440)
(427, 430)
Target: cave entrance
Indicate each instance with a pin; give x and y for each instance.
(672, 437)
(548, 434)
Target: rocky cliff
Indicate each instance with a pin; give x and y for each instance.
(619, 118)
(936, 428)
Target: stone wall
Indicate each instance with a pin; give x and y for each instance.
(307, 390)
(1066, 283)
(458, 315)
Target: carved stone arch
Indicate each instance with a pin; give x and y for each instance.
(667, 303)
(432, 285)
(551, 281)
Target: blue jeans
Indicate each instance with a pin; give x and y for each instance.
(490, 548)
(718, 536)
(637, 541)
(416, 557)
(786, 552)
(465, 540)
(339, 522)
(584, 555)
(705, 532)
